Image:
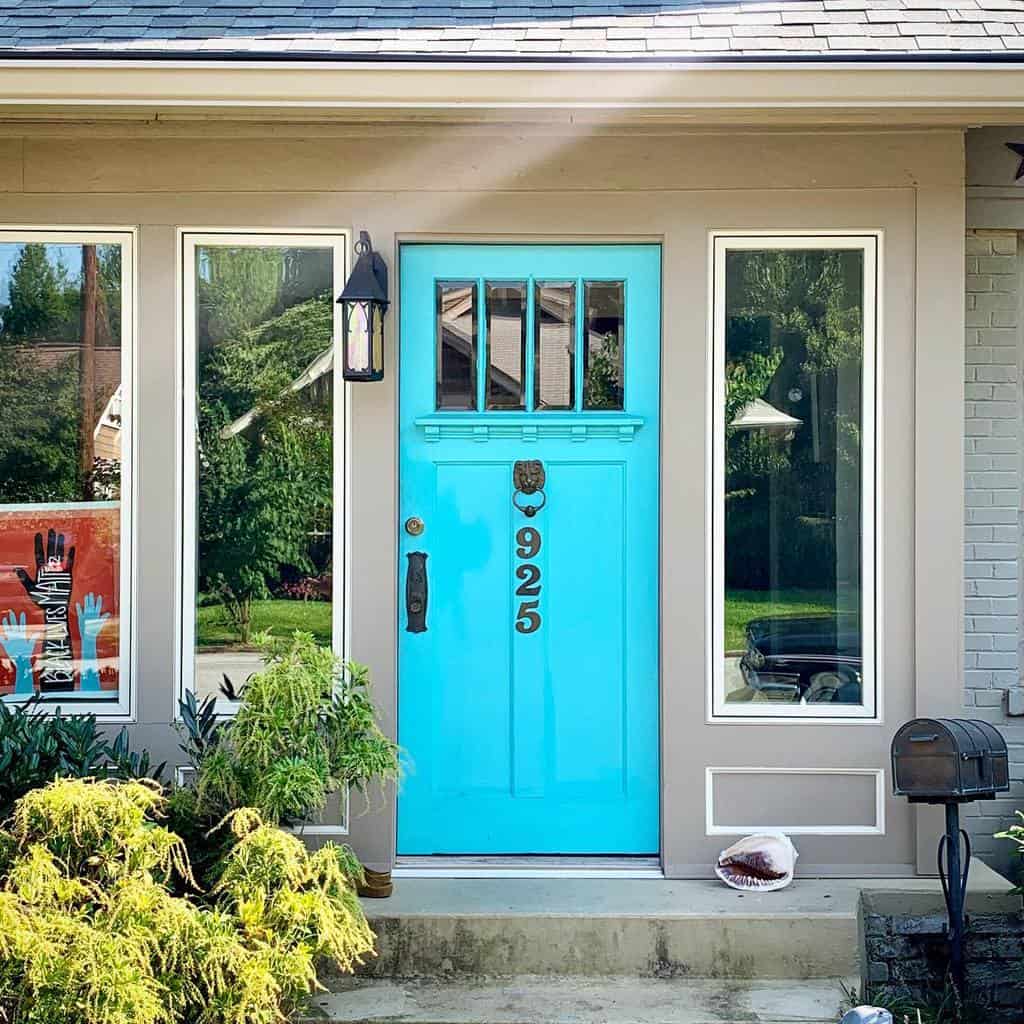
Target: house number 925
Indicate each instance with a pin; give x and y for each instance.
(528, 546)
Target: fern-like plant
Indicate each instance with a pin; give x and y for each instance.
(305, 727)
(1015, 833)
(91, 931)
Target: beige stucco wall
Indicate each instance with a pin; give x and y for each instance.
(556, 184)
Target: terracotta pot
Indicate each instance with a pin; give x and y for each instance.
(377, 885)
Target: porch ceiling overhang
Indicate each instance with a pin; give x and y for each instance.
(948, 93)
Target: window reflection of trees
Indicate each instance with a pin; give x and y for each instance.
(264, 427)
(603, 384)
(60, 372)
(793, 362)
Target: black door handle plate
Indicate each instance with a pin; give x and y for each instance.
(416, 592)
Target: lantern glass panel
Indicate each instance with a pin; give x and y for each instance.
(357, 336)
(377, 322)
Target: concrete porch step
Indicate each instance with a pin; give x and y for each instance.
(577, 1000)
(485, 928)
(478, 928)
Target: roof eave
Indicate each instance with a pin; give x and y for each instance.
(948, 89)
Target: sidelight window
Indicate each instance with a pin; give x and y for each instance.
(264, 470)
(66, 334)
(794, 603)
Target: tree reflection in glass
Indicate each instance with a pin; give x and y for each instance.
(793, 421)
(264, 431)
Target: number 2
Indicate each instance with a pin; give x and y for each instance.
(528, 620)
(530, 575)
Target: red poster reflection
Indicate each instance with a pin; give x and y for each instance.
(60, 600)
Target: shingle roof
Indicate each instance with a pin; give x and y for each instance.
(444, 29)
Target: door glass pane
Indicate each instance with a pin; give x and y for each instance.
(603, 378)
(794, 358)
(264, 459)
(456, 344)
(63, 327)
(506, 345)
(554, 384)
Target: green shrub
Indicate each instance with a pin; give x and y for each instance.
(92, 933)
(38, 745)
(305, 727)
(1015, 833)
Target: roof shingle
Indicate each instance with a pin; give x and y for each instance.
(454, 29)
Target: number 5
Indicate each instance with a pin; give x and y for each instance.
(528, 620)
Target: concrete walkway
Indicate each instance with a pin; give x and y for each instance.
(576, 1000)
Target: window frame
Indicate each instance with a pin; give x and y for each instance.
(531, 391)
(339, 240)
(123, 707)
(870, 244)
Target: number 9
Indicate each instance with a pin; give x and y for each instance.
(528, 540)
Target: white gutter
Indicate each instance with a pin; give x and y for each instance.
(949, 92)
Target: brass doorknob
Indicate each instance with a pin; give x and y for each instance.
(414, 526)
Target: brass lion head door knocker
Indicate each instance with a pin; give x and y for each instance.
(528, 478)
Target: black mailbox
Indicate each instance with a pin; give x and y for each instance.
(942, 760)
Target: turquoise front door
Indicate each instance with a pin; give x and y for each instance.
(528, 549)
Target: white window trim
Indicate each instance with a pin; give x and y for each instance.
(121, 709)
(188, 239)
(870, 712)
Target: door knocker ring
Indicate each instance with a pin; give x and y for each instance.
(528, 477)
(530, 510)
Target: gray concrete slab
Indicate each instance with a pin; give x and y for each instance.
(477, 928)
(212, 666)
(575, 1000)
(653, 897)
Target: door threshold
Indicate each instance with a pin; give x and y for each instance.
(477, 866)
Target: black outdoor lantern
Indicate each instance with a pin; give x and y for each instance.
(364, 301)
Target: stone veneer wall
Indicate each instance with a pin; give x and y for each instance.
(907, 954)
(994, 346)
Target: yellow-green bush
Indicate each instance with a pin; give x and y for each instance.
(92, 933)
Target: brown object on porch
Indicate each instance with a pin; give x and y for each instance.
(376, 885)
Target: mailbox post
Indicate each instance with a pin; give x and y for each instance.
(950, 761)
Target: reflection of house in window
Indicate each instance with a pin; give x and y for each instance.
(760, 415)
(506, 345)
(456, 369)
(556, 343)
(107, 435)
(107, 449)
(315, 380)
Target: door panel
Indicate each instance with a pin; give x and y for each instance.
(529, 706)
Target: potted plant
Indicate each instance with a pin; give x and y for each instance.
(305, 728)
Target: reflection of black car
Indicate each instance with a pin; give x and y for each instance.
(813, 658)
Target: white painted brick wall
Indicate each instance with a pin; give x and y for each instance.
(994, 349)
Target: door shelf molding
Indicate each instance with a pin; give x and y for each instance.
(484, 427)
